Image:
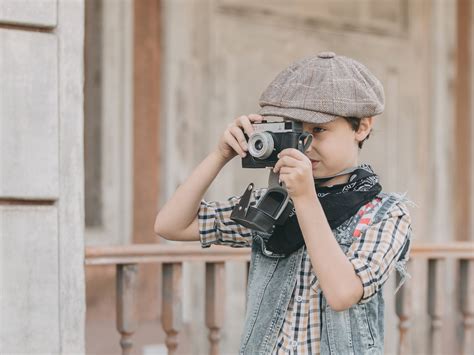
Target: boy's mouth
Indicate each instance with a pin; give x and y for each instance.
(314, 162)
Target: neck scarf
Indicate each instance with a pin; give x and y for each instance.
(339, 203)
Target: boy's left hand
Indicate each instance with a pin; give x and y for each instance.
(296, 172)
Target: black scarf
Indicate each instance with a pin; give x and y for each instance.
(339, 203)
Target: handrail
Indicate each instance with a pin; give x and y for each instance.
(459, 250)
(162, 253)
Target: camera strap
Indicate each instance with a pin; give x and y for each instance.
(319, 181)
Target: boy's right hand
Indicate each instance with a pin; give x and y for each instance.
(232, 141)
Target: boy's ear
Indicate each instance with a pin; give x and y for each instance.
(364, 128)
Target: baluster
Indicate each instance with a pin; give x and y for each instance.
(436, 302)
(127, 283)
(215, 303)
(403, 308)
(171, 314)
(467, 304)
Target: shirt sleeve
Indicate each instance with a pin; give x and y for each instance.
(216, 227)
(375, 253)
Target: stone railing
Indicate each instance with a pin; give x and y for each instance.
(127, 258)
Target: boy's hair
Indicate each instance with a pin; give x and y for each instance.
(354, 122)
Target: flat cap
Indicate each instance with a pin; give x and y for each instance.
(319, 88)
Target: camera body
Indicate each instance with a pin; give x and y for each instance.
(269, 139)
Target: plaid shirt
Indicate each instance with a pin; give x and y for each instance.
(373, 256)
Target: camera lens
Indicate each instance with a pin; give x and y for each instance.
(261, 145)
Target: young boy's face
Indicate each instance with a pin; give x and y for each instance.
(334, 146)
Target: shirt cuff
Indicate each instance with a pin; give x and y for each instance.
(207, 224)
(367, 278)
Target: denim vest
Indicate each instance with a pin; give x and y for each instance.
(357, 330)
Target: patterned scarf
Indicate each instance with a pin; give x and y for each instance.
(339, 203)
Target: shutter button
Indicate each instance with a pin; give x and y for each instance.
(326, 55)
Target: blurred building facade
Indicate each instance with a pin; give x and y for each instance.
(216, 57)
(162, 81)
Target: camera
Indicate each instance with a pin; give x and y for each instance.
(274, 207)
(269, 139)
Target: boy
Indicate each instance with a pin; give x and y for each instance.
(317, 290)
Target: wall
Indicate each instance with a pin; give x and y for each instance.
(41, 176)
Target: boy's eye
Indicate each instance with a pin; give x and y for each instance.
(318, 129)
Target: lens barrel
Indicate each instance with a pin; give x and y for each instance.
(261, 145)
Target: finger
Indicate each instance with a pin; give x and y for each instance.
(285, 170)
(244, 122)
(286, 161)
(230, 140)
(291, 152)
(283, 179)
(239, 137)
(255, 117)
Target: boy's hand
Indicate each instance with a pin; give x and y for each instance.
(232, 141)
(296, 172)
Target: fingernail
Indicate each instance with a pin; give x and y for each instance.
(243, 155)
(278, 155)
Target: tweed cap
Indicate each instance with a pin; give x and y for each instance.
(319, 88)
